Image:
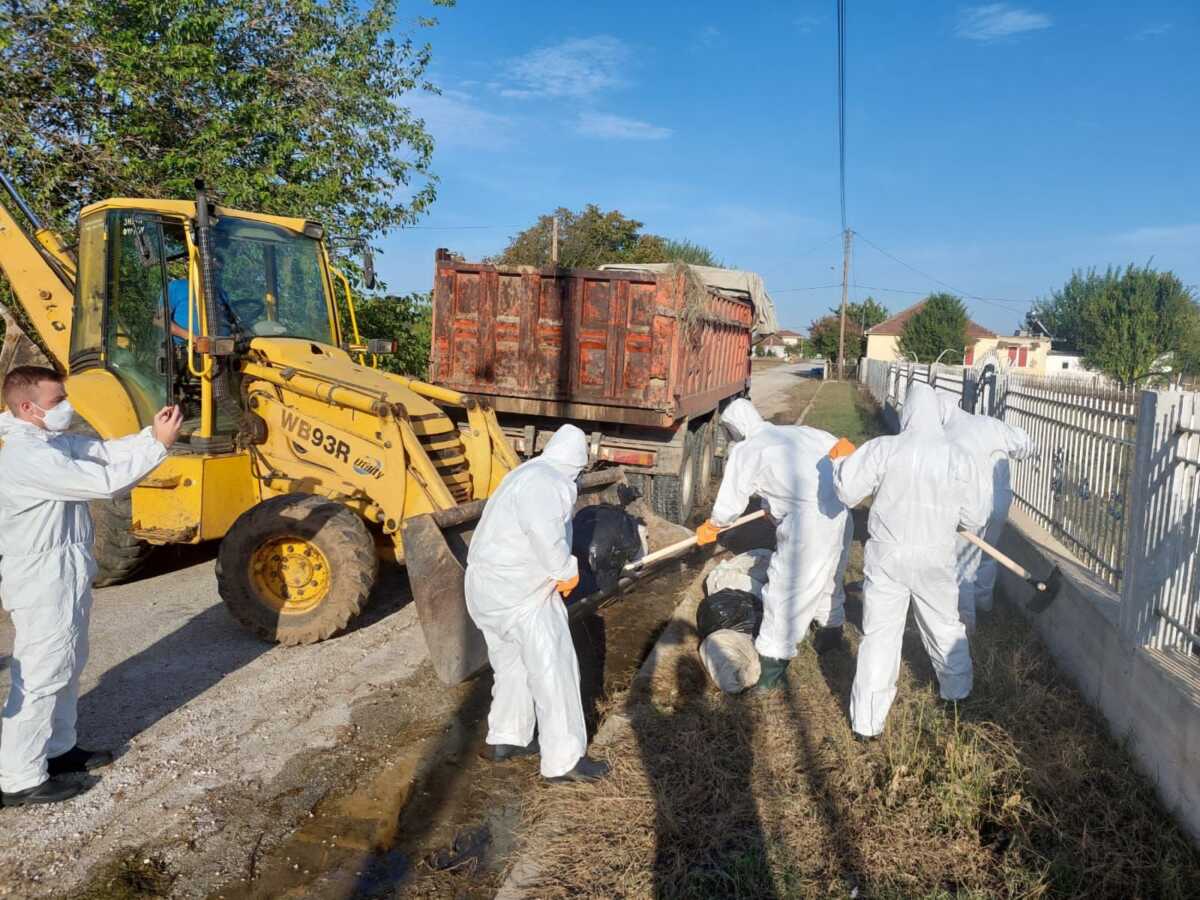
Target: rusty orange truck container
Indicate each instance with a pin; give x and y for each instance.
(642, 361)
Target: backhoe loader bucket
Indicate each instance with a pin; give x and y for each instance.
(435, 555)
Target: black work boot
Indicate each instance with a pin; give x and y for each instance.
(826, 639)
(498, 753)
(77, 759)
(586, 770)
(771, 673)
(52, 790)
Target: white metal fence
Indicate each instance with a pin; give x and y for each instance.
(1118, 481)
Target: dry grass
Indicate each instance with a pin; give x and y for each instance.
(1016, 792)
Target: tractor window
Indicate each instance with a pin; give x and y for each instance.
(270, 280)
(134, 327)
(87, 323)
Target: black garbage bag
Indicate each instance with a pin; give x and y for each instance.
(729, 609)
(604, 539)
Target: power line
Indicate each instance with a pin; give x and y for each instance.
(815, 287)
(995, 301)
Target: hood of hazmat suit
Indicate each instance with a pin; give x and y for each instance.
(788, 468)
(519, 551)
(46, 570)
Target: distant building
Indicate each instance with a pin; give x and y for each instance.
(883, 341)
(1024, 351)
(790, 338)
(774, 346)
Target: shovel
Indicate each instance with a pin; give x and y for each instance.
(686, 544)
(1044, 590)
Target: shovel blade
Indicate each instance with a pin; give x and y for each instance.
(1044, 592)
(436, 563)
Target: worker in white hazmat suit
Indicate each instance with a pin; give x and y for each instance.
(789, 469)
(991, 443)
(46, 569)
(518, 565)
(924, 488)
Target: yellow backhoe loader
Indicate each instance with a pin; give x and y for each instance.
(306, 461)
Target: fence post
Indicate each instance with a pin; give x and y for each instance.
(1153, 540)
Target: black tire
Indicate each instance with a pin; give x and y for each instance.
(327, 536)
(118, 554)
(674, 496)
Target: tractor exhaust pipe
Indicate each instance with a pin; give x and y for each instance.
(208, 282)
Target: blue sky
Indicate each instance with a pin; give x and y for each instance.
(992, 147)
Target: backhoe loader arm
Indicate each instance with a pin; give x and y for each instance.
(42, 281)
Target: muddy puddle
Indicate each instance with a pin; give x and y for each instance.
(423, 815)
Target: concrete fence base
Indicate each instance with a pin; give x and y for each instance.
(1150, 698)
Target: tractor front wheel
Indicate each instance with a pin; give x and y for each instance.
(296, 569)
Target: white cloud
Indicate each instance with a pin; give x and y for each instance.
(1163, 236)
(994, 21)
(575, 68)
(456, 120)
(607, 125)
(1152, 31)
(709, 36)
(807, 23)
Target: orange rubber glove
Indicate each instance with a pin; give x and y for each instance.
(842, 448)
(565, 587)
(707, 533)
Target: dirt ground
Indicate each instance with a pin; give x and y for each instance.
(1017, 792)
(337, 770)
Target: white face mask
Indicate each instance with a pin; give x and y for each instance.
(57, 417)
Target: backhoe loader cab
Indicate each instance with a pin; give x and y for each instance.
(303, 459)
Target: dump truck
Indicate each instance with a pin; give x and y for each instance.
(303, 459)
(643, 358)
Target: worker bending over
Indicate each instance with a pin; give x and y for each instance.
(46, 570)
(924, 487)
(519, 564)
(990, 443)
(789, 468)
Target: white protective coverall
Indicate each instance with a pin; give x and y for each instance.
(520, 550)
(789, 468)
(991, 443)
(46, 570)
(924, 488)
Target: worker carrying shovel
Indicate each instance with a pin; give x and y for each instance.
(789, 469)
(519, 571)
(925, 487)
(47, 476)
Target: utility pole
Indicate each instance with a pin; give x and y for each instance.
(846, 237)
(554, 243)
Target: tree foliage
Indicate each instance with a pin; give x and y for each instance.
(824, 332)
(865, 315)
(409, 320)
(940, 324)
(285, 106)
(1140, 323)
(592, 237)
(1128, 324)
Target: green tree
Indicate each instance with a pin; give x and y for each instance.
(406, 319)
(1060, 313)
(940, 324)
(823, 335)
(285, 106)
(592, 237)
(867, 314)
(1142, 322)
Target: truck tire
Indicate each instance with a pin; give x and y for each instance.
(673, 496)
(706, 456)
(296, 569)
(118, 554)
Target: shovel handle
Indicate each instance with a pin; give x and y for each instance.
(676, 548)
(1008, 563)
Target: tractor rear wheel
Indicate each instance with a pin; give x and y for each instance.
(296, 569)
(119, 555)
